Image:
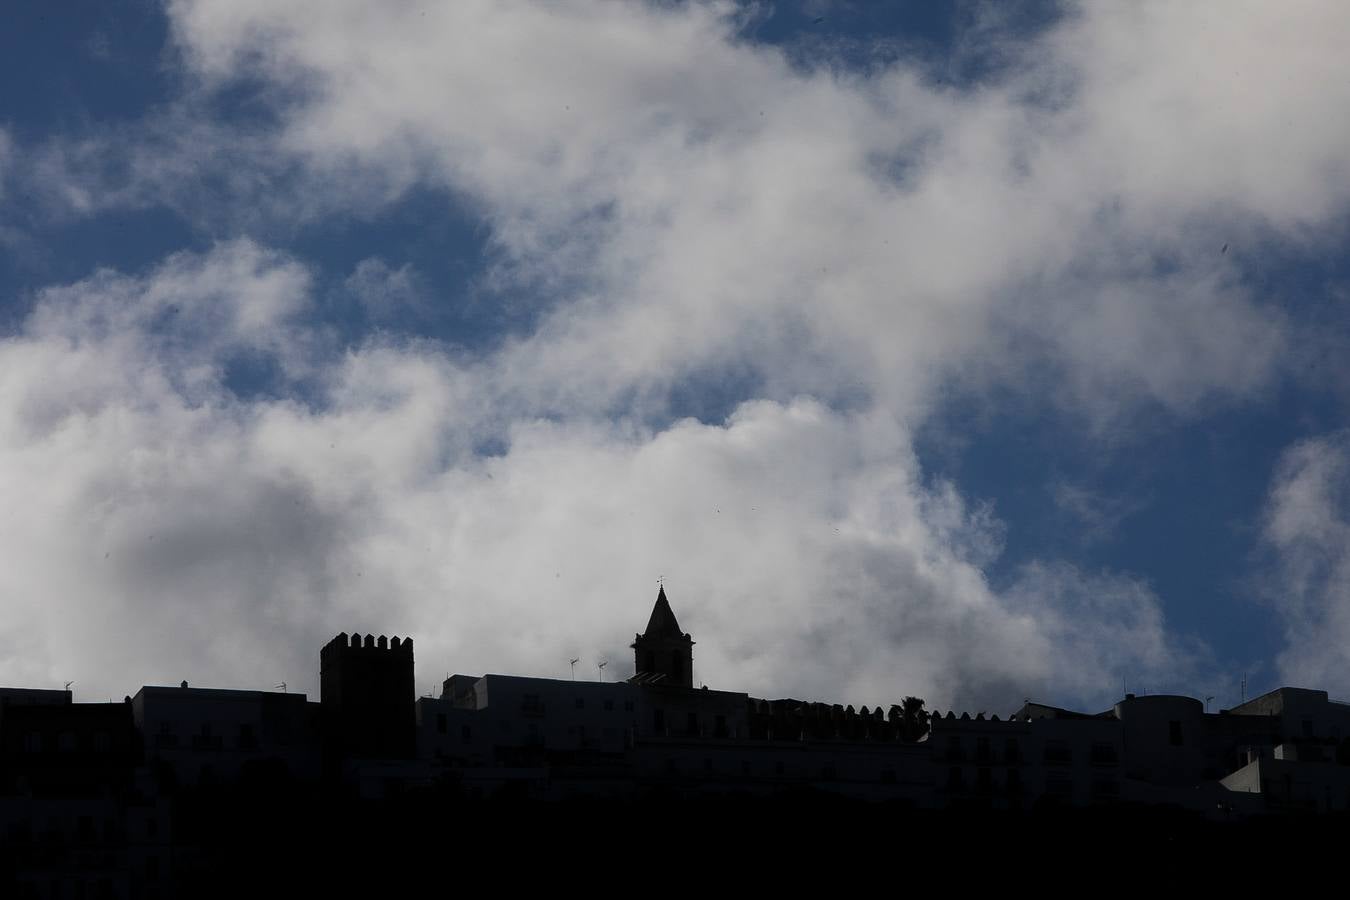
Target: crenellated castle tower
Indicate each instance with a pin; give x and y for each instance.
(367, 693)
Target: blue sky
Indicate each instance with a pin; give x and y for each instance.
(979, 351)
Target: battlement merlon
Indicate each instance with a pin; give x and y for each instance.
(369, 643)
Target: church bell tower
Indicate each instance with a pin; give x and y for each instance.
(663, 654)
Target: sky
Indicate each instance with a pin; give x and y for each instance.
(972, 351)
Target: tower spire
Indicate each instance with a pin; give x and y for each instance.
(664, 654)
(662, 622)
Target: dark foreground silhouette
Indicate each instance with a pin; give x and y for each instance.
(231, 842)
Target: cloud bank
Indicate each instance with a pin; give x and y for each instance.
(1307, 532)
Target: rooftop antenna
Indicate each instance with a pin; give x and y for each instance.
(574, 667)
(601, 667)
(68, 684)
(1244, 687)
(282, 686)
(1207, 699)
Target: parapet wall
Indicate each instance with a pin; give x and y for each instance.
(369, 643)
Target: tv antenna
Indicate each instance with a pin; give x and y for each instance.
(282, 686)
(1207, 699)
(68, 684)
(601, 667)
(574, 667)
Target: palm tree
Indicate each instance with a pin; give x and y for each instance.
(913, 719)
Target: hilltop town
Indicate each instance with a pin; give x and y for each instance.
(116, 777)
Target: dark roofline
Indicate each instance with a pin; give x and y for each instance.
(155, 690)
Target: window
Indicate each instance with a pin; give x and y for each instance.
(531, 705)
(692, 726)
(581, 703)
(888, 776)
(32, 742)
(953, 752)
(708, 766)
(1012, 753)
(1307, 728)
(1104, 755)
(609, 706)
(205, 739)
(982, 753)
(166, 737)
(247, 740)
(778, 768)
(628, 706)
(1058, 753)
(440, 723)
(659, 721)
(66, 742)
(465, 733)
(102, 742)
(1174, 733)
(745, 767)
(720, 726)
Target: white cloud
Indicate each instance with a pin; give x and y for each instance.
(1094, 515)
(1102, 629)
(163, 528)
(384, 292)
(1205, 107)
(723, 205)
(1307, 528)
